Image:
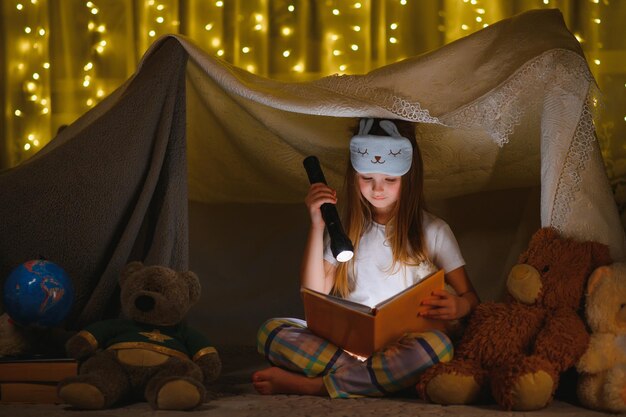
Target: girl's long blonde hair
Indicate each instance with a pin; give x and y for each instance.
(404, 230)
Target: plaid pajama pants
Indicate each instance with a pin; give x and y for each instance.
(289, 344)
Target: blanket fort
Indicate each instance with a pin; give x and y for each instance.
(506, 107)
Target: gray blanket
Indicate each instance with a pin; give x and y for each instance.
(114, 191)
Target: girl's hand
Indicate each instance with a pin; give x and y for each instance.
(445, 306)
(319, 193)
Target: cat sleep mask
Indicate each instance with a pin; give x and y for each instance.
(371, 154)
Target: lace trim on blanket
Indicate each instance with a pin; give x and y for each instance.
(359, 86)
(576, 160)
(501, 109)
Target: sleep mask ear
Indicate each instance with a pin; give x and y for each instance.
(371, 154)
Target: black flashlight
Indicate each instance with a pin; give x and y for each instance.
(340, 243)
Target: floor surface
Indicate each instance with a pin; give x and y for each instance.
(235, 397)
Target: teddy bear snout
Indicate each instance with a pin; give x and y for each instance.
(144, 303)
(524, 283)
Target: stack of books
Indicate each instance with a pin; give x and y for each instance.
(33, 379)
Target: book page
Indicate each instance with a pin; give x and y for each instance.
(393, 297)
(362, 308)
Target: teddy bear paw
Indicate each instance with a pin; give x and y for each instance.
(453, 389)
(532, 391)
(179, 394)
(82, 395)
(615, 389)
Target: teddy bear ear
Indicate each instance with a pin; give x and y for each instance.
(545, 234)
(194, 286)
(600, 254)
(130, 269)
(596, 277)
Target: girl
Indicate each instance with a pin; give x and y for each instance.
(396, 244)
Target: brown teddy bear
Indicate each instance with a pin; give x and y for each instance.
(518, 348)
(148, 355)
(602, 383)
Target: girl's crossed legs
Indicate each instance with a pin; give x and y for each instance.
(307, 364)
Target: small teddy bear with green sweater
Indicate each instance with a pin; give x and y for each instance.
(151, 354)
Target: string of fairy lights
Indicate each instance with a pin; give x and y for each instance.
(269, 38)
(31, 66)
(96, 31)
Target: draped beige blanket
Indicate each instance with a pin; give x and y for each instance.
(506, 107)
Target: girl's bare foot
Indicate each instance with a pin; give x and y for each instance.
(278, 381)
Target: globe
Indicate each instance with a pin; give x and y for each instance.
(38, 293)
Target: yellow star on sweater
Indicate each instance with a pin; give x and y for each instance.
(156, 336)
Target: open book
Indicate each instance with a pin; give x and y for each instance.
(363, 330)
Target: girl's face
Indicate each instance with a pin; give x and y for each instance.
(380, 190)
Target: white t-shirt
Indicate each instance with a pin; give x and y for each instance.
(375, 281)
